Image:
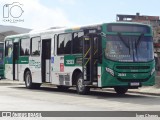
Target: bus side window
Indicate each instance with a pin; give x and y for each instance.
(35, 46)
(54, 45)
(64, 44)
(8, 48)
(60, 44)
(67, 43)
(25, 47)
(1, 52)
(77, 42)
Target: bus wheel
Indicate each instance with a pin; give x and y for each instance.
(121, 90)
(28, 81)
(81, 89)
(62, 88)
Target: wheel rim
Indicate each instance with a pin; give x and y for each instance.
(28, 80)
(80, 84)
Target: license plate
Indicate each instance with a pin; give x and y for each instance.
(135, 84)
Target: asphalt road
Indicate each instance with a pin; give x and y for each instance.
(17, 97)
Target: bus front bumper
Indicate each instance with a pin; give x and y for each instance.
(112, 80)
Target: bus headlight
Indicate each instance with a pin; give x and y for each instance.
(153, 70)
(110, 71)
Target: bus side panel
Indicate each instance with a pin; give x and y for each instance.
(68, 72)
(57, 67)
(22, 68)
(54, 78)
(64, 78)
(1, 60)
(8, 60)
(61, 74)
(99, 77)
(9, 71)
(23, 64)
(35, 68)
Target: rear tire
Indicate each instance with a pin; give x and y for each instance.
(121, 90)
(81, 89)
(28, 81)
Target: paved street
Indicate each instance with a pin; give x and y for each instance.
(17, 97)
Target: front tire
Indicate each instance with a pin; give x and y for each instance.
(81, 89)
(28, 81)
(121, 90)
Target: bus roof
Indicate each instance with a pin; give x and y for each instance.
(131, 23)
(78, 28)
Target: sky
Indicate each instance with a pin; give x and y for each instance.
(41, 14)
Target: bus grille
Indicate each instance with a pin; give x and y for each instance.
(133, 80)
(133, 67)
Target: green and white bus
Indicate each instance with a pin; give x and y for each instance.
(108, 55)
(1, 60)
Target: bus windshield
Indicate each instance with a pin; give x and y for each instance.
(127, 48)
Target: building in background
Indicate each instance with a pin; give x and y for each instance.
(154, 21)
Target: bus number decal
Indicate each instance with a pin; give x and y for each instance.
(70, 62)
(122, 74)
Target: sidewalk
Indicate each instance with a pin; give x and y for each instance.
(153, 90)
(10, 82)
(146, 90)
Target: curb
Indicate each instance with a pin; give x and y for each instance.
(144, 93)
(11, 82)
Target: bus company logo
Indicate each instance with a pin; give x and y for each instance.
(35, 64)
(13, 12)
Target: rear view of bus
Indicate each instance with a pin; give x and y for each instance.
(1, 60)
(128, 60)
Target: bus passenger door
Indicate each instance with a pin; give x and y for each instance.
(91, 58)
(46, 60)
(15, 60)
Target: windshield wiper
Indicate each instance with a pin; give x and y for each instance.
(139, 39)
(120, 36)
(127, 45)
(138, 42)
